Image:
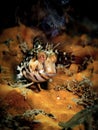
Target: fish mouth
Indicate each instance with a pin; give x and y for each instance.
(50, 74)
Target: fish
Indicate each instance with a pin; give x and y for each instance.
(39, 66)
(41, 62)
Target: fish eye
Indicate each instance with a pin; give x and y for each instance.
(17, 71)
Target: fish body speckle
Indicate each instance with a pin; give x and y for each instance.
(39, 66)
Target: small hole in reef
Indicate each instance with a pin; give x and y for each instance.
(4, 52)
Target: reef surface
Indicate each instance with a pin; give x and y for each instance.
(73, 89)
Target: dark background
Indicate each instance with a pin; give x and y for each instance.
(81, 9)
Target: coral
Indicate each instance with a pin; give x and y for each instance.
(84, 90)
(23, 45)
(85, 116)
(23, 121)
(72, 89)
